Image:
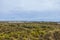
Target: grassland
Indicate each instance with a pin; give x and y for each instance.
(30, 31)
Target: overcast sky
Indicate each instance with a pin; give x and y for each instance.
(30, 10)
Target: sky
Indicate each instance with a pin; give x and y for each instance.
(30, 10)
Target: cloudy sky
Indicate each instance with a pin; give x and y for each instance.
(30, 10)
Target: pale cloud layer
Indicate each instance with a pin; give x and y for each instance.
(30, 9)
(41, 5)
(30, 5)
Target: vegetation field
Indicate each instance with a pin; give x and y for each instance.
(30, 31)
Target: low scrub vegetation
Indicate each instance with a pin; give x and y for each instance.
(29, 31)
